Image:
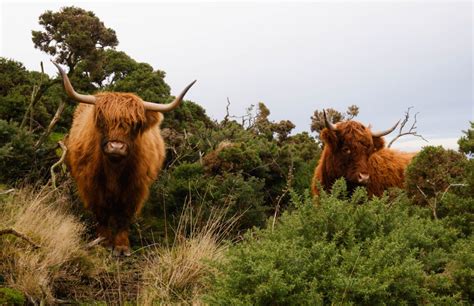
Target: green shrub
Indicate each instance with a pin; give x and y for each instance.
(432, 171)
(466, 142)
(16, 152)
(443, 180)
(20, 161)
(11, 297)
(382, 252)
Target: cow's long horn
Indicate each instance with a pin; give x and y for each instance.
(328, 123)
(163, 108)
(89, 99)
(386, 132)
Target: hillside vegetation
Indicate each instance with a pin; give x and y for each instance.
(230, 219)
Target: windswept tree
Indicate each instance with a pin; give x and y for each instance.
(72, 35)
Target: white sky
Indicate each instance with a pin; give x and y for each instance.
(383, 56)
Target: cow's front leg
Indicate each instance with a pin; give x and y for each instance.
(104, 230)
(121, 242)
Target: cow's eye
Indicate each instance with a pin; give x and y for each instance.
(347, 151)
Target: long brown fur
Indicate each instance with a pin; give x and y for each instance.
(367, 154)
(115, 192)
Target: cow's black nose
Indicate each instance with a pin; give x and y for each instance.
(363, 178)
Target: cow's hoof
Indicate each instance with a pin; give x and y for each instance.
(121, 251)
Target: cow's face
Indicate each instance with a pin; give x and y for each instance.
(120, 120)
(351, 145)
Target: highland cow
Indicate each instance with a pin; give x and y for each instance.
(114, 152)
(357, 154)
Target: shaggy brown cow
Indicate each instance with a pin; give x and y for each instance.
(354, 152)
(115, 151)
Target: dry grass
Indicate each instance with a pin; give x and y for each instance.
(64, 269)
(41, 215)
(177, 274)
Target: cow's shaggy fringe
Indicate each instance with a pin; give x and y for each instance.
(177, 274)
(41, 215)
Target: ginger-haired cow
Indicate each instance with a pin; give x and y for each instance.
(114, 152)
(354, 152)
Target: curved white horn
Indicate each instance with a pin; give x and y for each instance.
(163, 108)
(386, 132)
(89, 99)
(328, 123)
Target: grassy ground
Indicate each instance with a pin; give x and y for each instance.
(46, 254)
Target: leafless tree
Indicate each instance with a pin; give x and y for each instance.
(403, 129)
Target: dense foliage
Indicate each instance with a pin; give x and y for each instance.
(466, 142)
(442, 180)
(411, 246)
(245, 171)
(348, 250)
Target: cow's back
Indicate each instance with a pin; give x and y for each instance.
(387, 169)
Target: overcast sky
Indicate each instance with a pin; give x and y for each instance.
(383, 56)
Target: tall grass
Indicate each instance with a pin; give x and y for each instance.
(55, 260)
(41, 215)
(177, 273)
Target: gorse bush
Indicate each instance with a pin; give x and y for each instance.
(20, 159)
(432, 171)
(443, 180)
(382, 252)
(244, 170)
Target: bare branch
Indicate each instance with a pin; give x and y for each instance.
(289, 183)
(59, 162)
(34, 98)
(13, 232)
(226, 118)
(52, 124)
(411, 131)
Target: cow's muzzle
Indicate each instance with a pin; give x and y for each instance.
(363, 178)
(116, 149)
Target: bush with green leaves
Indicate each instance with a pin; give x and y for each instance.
(466, 142)
(348, 251)
(443, 180)
(10, 296)
(434, 170)
(229, 166)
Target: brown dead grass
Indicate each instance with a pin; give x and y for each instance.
(64, 270)
(41, 215)
(177, 274)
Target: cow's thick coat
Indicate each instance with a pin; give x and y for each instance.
(352, 152)
(114, 190)
(114, 152)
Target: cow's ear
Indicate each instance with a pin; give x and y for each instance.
(328, 137)
(379, 143)
(152, 118)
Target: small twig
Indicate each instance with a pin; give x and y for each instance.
(451, 185)
(431, 205)
(7, 191)
(13, 232)
(285, 191)
(94, 242)
(51, 125)
(411, 130)
(59, 162)
(352, 272)
(34, 98)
